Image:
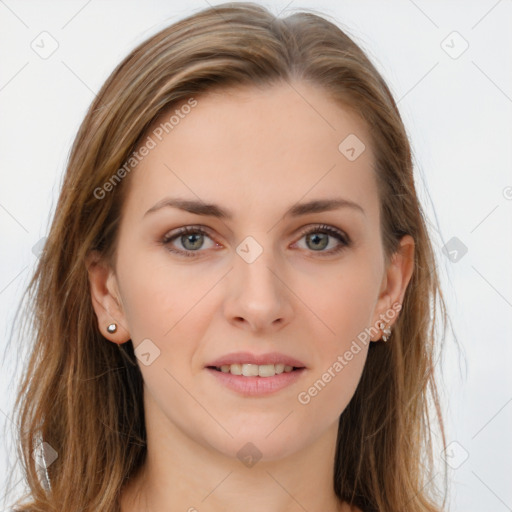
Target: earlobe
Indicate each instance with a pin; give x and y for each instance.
(106, 300)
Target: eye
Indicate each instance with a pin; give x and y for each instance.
(318, 238)
(190, 237)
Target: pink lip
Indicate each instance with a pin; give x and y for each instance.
(259, 359)
(254, 386)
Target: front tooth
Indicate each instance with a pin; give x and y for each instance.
(279, 368)
(266, 370)
(236, 369)
(249, 370)
(288, 368)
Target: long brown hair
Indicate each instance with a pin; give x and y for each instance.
(83, 394)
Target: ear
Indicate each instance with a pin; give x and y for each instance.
(396, 278)
(106, 299)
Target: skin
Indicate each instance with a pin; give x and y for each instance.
(256, 152)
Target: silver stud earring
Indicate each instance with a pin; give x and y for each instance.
(386, 331)
(112, 328)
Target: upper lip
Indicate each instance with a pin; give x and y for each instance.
(259, 359)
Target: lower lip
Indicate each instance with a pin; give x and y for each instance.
(257, 386)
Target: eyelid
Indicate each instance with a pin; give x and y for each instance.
(330, 230)
(183, 230)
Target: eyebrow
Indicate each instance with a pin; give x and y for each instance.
(214, 210)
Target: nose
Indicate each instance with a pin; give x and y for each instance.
(259, 297)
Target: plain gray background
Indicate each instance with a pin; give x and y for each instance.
(449, 66)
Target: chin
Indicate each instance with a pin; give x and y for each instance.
(253, 443)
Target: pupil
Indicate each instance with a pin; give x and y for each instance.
(187, 238)
(316, 237)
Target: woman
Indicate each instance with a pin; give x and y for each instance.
(236, 303)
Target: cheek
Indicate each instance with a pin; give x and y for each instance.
(343, 349)
(344, 304)
(329, 391)
(343, 301)
(168, 305)
(159, 297)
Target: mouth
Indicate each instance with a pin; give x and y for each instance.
(252, 375)
(252, 380)
(255, 370)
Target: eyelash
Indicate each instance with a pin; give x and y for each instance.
(322, 228)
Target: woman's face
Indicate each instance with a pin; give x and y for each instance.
(252, 280)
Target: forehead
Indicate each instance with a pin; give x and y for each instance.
(251, 148)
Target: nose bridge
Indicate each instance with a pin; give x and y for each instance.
(253, 268)
(257, 293)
